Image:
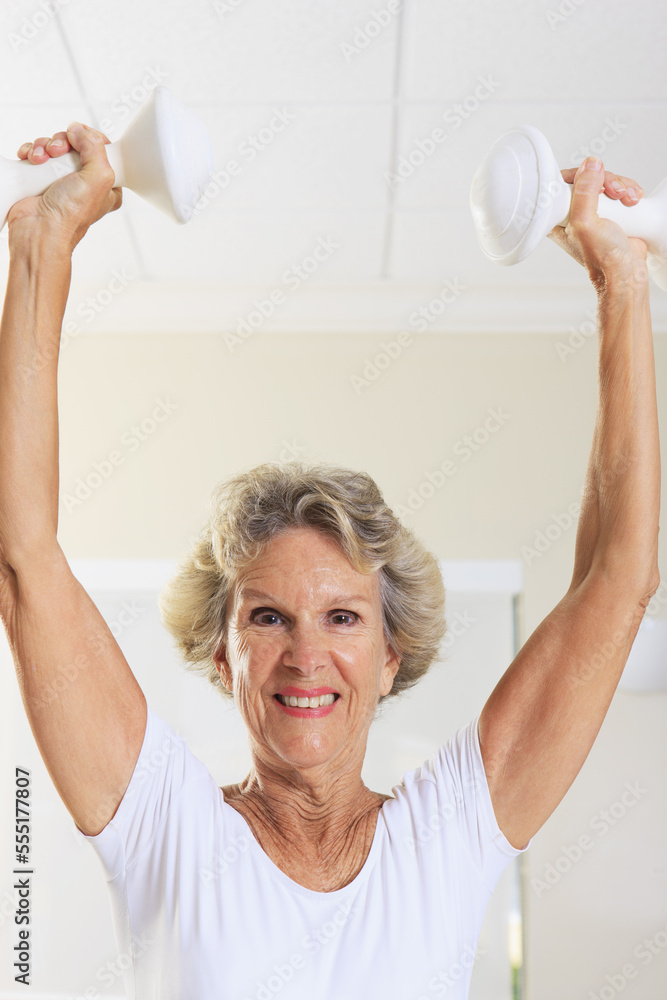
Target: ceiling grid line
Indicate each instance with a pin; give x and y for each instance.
(388, 237)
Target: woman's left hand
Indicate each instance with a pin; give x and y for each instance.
(600, 245)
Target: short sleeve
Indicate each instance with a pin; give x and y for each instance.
(451, 793)
(489, 848)
(164, 767)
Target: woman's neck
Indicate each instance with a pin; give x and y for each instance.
(307, 805)
(317, 828)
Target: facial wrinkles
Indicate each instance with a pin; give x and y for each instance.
(307, 648)
(264, 663)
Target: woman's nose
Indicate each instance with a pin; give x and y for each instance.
(306, 648)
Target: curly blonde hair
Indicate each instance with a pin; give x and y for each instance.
(250, 509)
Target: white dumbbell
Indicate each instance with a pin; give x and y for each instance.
(518, 195)
(164, 156)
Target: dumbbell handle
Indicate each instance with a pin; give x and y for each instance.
(645, 219)
(22, 179)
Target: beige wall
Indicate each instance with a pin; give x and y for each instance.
(232, 411)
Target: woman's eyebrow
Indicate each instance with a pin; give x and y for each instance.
(349, 598)
(249, 592)
(335, 599)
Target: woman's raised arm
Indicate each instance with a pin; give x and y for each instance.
(541, 720)
(85, 708)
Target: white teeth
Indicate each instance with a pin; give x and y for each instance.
(316, 702)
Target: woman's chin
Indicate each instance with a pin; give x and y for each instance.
(311, 748)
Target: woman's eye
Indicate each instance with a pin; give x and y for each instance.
(265, 617)
(344, 617)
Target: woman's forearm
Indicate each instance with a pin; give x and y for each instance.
(37, 290)
(617, 532)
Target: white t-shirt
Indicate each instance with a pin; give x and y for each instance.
(205, 914)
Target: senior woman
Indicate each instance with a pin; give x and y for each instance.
(308, 602)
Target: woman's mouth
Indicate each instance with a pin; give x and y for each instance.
(311, 707)
(294, 702)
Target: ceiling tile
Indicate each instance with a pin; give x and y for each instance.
(214, 51)
(34, 68)
(299, 156)
(244, 247)
(596, 51)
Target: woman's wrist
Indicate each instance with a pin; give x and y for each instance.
(31, 236)
(631, 282)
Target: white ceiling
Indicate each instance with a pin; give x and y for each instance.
(567, 66)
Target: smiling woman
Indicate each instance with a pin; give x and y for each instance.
(307, 601)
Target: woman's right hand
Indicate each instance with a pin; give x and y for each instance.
(599, 244)
(71, 204)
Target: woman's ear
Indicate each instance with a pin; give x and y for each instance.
(223, 668)
(389, 670)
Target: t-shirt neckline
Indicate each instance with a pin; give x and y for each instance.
(296, 887)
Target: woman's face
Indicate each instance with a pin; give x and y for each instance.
(304, 623)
